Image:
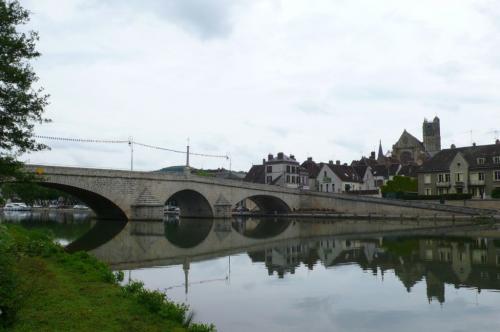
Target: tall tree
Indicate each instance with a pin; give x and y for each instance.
(21, 103)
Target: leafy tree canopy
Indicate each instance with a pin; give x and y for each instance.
(21, 104)
(400, 184)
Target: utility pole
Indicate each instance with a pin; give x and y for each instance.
(187, 153)
(131, 145)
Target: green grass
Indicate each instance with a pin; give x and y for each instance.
(43, 288)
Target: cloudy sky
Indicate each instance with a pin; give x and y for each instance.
(326, 79)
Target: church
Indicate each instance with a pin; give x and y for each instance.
(410, 150)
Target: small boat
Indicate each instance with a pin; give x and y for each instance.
(16, 207)
(170, 209)
(80, 207)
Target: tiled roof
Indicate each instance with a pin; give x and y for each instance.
(312, 168)
(256, 174)
(393, 169)
(442, 160)
(345, 173)
(409, 170)
(380, 170)
(361, 170)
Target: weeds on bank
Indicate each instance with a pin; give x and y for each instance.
(16, 243)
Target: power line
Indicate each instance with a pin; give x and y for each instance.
(83, 140)
(129, 141)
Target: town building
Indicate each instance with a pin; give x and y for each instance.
(281, 170)
(338, 178)
(312, 168)
(472, 169)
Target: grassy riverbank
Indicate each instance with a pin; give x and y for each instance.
(43, 288)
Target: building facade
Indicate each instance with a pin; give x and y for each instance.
(474, 170)
(285, 171)
(338, 178)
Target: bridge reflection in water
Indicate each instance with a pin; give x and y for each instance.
(459, 254)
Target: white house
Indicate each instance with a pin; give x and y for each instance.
(337, 178)
(285, 171)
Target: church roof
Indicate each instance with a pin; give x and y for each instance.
(407, 140)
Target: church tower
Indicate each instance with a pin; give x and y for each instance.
(432, 136)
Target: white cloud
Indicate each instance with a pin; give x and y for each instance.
(304, 75)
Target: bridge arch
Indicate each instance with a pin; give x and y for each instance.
(264, 228)
(191, 203)
(102, 206)
(187, 233)
(269, 204)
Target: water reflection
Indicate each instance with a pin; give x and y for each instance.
(66, 226)
(321, 275)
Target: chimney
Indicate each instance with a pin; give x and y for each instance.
(280, 155)
(372, 155)
(292, 157)
(270, 157)
(330, 162)
(337, 162)
(497, 141)
(311, 158)
(474, 144)
(263, 161)
(453, 146)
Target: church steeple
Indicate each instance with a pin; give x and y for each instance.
(380, 156)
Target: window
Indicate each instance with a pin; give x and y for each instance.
(428, 191)
(293, 179)
(269, 169)
(293, 169)
(481, 161)
(496, 160)
(459, 177)
(497, 175)
(440, 178)
(324, 174)
(327, 187)
(269, 179)
(321, 187)
(288, 168)
(427, 179)
(288, 179)
(447, 177)
(480, 176)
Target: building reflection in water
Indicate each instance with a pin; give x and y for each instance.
(462, 262)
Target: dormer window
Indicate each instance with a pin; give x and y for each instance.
(496, 160)
(481, 161)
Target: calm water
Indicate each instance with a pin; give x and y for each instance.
(293, 275)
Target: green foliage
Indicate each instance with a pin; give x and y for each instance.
(201, 172)
(400, 184)
(401, 247)
(21, 105)
(9, 301)
(158, 303)
(495, 193)
(35, 273)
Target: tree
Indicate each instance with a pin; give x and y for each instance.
(21, 104)
(400, 184)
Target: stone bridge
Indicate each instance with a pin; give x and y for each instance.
(128, 195)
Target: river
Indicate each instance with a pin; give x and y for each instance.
(296, 275)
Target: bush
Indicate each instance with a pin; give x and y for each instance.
(400, 184)
(158, 303)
